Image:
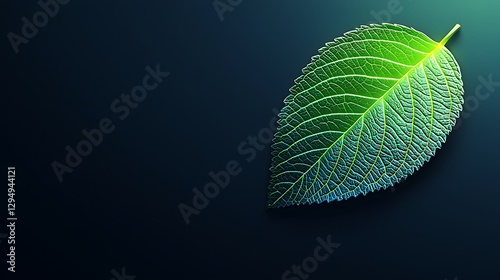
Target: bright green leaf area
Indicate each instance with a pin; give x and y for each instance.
(368, 111)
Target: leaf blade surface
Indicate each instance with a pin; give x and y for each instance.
(368, 111)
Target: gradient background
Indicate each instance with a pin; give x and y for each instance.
(119, 207)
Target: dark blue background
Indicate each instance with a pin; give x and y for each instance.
(119, 207)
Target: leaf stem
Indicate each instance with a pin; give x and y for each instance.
(450, 34)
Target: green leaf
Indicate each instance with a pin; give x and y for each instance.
(368, 111)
